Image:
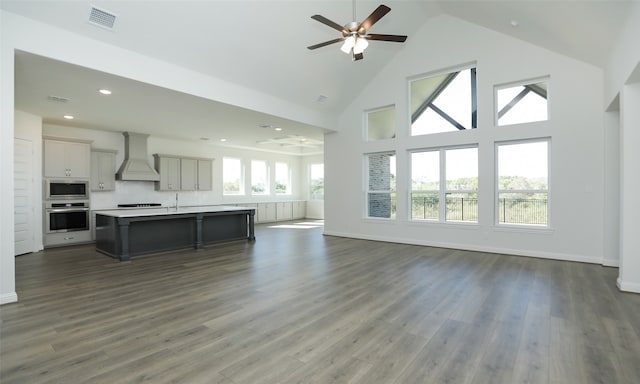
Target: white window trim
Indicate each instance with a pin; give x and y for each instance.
(367, 191)
(461, 67)
(535, 80)
(496, 209)
(242, 188)
(365, 134)
(442, 191)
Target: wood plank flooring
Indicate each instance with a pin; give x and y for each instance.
(300, 307)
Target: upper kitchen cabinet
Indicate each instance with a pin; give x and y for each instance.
(103, 170)
(183, 173)
(195, 174)
(67, 159)
(169, 169)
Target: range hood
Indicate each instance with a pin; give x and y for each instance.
(135, 166)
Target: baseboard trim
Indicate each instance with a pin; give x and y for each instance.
(628, 287)
(7, 298)
(475, 248)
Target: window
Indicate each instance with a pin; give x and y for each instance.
(283, 179)
(381, 124)
(523, 183)
(259, 177)
(381, 185)
(316, 182)
(444, 103)
(232, 176)
(449, 175)
(522, 103)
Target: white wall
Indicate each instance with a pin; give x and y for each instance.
(575, 128)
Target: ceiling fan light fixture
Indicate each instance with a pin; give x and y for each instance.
(360, 46)
(349, 43)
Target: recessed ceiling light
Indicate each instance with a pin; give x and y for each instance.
(278, 129)
(265, 125)
(68, 117)
(514, 23)
(223, 139)
(204, 138)
(321, 98)
(104, 91)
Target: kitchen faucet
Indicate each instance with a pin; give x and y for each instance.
(176, 201)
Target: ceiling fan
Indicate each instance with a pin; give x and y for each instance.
(354, 36)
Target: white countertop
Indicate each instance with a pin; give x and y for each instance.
(163, 211)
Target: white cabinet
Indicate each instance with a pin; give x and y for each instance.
(183, 173)
(299, 209)
(66, 159)
(195, 174)
(284, 211)
(103, 170)
(169, 170)
(266, 212)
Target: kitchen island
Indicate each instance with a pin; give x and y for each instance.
(125, 233)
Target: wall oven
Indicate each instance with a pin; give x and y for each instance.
(66, 216)
(66, 189)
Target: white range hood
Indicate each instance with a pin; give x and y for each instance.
(135, 166)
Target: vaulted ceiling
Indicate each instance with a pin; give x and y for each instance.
(262, 44)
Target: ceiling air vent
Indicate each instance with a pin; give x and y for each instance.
(102, 18)
(58, 99)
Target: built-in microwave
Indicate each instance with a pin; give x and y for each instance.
(66, 189)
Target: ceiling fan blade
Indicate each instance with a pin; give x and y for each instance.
(373, 18)
(394, 38)
(326, 43)
(330, 23)
(358, 56)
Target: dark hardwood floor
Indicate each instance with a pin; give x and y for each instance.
(300, 307)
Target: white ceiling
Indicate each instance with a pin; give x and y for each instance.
(262, 44)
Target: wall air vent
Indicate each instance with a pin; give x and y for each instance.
(102, 18)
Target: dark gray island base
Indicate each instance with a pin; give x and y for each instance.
(122, 234)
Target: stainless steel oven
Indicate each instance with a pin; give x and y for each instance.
(66, 189)
(67, 216)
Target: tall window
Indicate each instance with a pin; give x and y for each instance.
(381, 185)
(283, 179)
(445, 175)
(444, 103)
(522, 103)
(523, 183)
(316, 182)
(259, 177)
(232, 176)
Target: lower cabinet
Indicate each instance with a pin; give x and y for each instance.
(284, 211)
(266, 212)
(299, 210)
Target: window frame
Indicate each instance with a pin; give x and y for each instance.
(498, 191)
(473, 66)
(241, 181)
(521, 83)
(366, 132)
(312, 196)
(288, 190)
(267, 184)
(392, 192)
(443, 191)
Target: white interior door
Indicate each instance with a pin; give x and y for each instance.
(23, 195)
